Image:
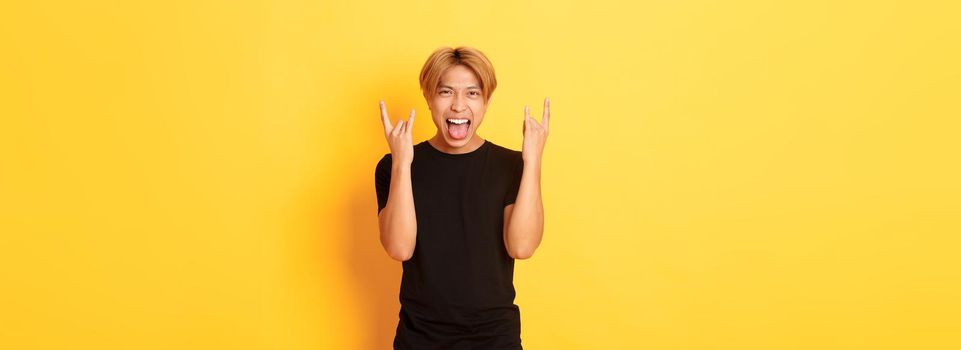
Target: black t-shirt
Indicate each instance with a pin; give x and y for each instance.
(459, 281)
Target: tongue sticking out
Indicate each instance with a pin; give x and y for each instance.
(457, 131)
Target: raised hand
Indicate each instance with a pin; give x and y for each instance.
(535, 134)
(399, 137)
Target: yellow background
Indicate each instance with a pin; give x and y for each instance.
(719, 175)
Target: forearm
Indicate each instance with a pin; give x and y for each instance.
(398, 220)
(526, 227)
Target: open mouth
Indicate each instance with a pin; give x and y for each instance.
(458, 121)
(457, 128)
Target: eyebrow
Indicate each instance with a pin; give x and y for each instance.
(452, 88)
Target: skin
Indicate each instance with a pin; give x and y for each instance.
(459, 96)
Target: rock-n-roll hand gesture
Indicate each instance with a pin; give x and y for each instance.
(535, 134)
(399, 137)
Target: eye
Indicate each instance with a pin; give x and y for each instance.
(475, 93)
(443, 92)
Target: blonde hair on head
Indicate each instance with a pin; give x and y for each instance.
(446, 57)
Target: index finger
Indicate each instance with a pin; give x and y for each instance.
(383, 117)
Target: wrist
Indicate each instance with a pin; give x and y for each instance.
(531, 160)
(400, 166)
(532, 164)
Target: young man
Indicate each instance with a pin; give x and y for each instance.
(457, 210)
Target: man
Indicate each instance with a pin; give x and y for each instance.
(457, 210)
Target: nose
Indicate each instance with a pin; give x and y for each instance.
(459, 105)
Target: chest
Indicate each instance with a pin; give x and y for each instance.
(470, 193)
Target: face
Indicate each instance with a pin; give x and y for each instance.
(457, 109)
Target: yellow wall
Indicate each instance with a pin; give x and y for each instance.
(719, 175)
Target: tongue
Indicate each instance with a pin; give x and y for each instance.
(457, 131)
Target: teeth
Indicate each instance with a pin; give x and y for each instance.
(457, 121)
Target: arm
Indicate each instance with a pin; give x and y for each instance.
(524, 220)
(397, 220)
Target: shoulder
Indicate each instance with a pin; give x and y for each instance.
(505, 154)
(384, 162)
(503, 151)
(421, 147)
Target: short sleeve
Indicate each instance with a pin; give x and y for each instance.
(382, 181)
(515, 171)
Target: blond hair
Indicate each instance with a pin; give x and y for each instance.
(444, 58)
